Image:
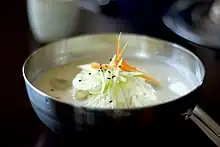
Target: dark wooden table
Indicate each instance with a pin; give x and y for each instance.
(19, 124)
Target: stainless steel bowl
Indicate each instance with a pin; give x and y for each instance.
(63, 117)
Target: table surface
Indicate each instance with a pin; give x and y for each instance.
(20, 125)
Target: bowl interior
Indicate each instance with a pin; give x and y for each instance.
(100, 48)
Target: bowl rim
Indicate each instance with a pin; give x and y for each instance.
(114, 34)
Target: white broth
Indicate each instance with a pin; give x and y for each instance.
(57, 82)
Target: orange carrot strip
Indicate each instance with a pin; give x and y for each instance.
(98, 66)
(147, 78)
(95, 65)
(124, 63)
(128, 68)
(131, 67)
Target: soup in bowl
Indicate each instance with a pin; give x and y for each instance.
(97, 79)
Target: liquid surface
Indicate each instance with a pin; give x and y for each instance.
(57, 82)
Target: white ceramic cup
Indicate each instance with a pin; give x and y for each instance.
(52, 20)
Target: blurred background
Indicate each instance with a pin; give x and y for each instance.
(191, 23)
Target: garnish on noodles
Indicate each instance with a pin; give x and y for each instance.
(113, 85)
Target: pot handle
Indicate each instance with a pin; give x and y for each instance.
(174, 21)
(206, 124)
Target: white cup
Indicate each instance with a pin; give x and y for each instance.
(52, 20)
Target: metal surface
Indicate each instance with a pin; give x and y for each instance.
(175, 21)
(206, 124)
(64, 117)
(214, 13)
